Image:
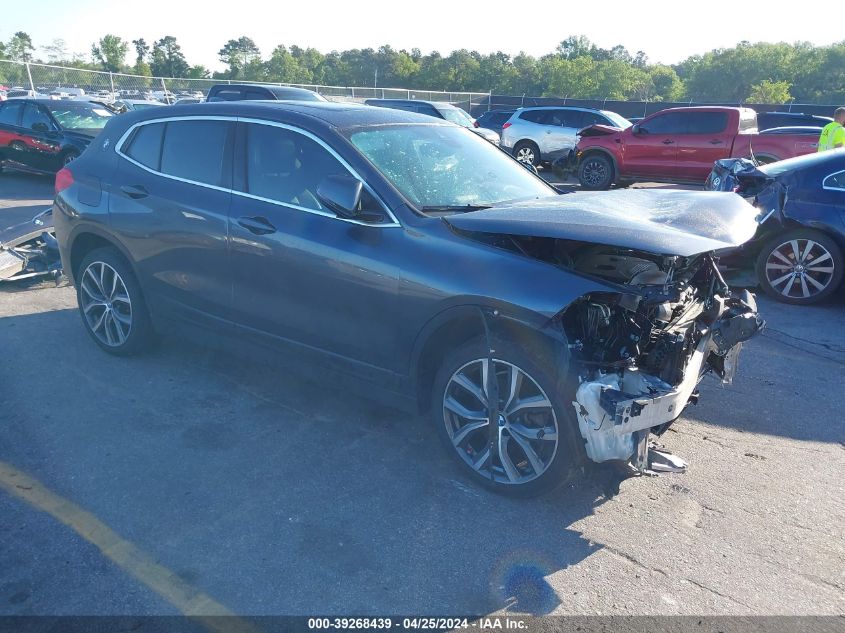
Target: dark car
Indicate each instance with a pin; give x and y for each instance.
(797, 251)
(414, 257)
(439, 110)
(769, 120)
(494, 119)
(253, 92)
(43, 135)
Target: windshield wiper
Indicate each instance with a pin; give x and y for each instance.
(447, 208)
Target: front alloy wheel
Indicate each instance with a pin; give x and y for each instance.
(526, 434)
(529, 447)
(802, 267)
(595, 173)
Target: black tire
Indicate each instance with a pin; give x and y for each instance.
(560, 458)
(69, 157)
(776, 262)
(135, 338)
(595, 172)
(527, 152)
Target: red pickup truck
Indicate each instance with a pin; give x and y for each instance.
(679, 145)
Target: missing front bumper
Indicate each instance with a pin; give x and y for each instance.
(614, 409)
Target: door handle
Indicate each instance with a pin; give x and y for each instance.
(134, 191)
(715, 141)
(668, 142)
(257, 224)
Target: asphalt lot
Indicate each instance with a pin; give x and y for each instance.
(271, 494)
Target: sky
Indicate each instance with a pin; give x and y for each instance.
(664, 30)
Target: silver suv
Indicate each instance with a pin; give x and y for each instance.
(535, 135)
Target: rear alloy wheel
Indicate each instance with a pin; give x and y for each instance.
(527, 152)
(532, 448)
(800, 267)
(595, 173)
(111, 304)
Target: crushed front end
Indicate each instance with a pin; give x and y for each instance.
(639, 354)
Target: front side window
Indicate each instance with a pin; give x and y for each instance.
(439, 167)
(227, 95)
(32, 114)
(285, 166)
(669, 123)
(194, 150)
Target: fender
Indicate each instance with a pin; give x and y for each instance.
(94, 229)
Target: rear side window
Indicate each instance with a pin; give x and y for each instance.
(253, 95)
(707, 122)
(145, 145)
(227, 95)
(10, 112)
(535, 116)
(194, 150)
(286, 166)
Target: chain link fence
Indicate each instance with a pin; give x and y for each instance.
(61, 81)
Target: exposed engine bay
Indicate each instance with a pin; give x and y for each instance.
(640, 353)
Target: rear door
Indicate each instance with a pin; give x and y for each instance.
(561, 131)
(653, 150)
(169, 203)
(706, 139)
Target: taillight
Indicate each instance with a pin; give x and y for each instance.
(64, 179)
(506, 125)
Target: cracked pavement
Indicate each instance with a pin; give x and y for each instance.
(277, 494)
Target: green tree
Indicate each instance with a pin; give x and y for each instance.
(110, 52)
(770, 92)
(20, 47)
(238, 55)
(167, 59)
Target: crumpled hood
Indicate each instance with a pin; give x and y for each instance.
(657, 221)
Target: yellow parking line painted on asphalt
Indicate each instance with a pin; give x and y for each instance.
(127, 556)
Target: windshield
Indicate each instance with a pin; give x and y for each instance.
(443, 167)
(455, 115)
(80, 117)
(617, 119)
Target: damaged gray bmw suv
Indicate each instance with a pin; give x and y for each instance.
(540, 330)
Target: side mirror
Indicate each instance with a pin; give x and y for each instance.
(40, 126)
(635, 129)
(341, 194)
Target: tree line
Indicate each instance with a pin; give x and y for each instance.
(755, 73)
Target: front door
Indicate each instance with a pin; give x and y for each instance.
(301, 274)
(652, 150)
(43, 151)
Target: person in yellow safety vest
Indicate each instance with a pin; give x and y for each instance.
(833, 134)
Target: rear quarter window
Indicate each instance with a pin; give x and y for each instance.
(535, 116)
(145, 145)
